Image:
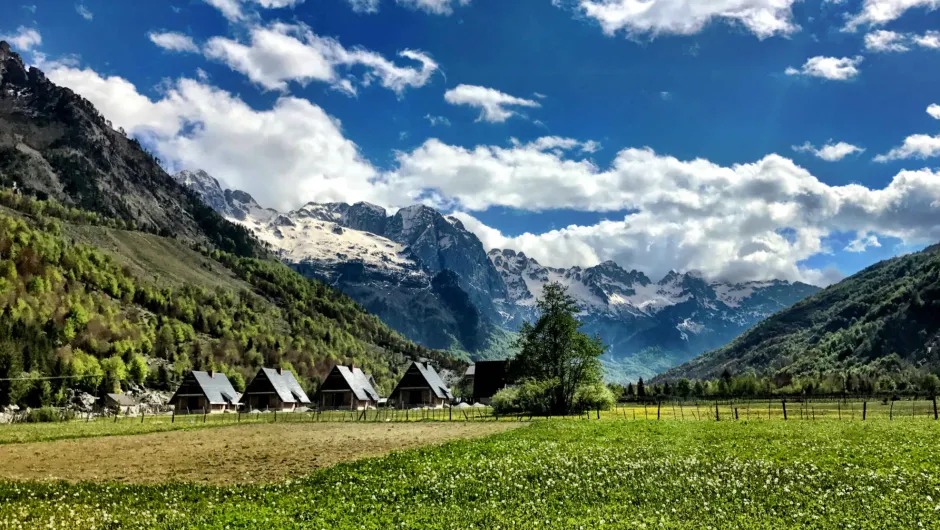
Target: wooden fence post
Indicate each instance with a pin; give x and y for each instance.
(681, 412)
(864, 410)
(659, 406)
(735, 413)
(142, 413)
(891, 411)
(646, 414)
(784, 403)
(717, 417)
(205, 414)
(935, 408)
(839, 405)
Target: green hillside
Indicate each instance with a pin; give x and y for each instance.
(101, 307)
(876, 330)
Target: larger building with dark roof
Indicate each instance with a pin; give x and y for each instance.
(347, 388)
(274, 389)
(205, 392)
(421, 386)
(489, 377)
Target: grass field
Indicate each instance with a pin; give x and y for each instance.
(556, 474)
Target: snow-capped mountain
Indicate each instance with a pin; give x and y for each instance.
(428, 277)
(647, 325)
(422, 274)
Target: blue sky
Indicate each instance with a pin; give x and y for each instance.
(665, 122)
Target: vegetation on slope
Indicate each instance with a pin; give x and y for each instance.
(875, 331)
(74, 313)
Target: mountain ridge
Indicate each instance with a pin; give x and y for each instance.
(387, 262)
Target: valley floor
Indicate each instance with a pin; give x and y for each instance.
(547, 474)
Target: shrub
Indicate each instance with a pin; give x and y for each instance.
(535, 397)
(47, 415)
(593, 397)
(506, 401)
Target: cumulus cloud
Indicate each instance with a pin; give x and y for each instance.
(24, 40)
(292, 149)
(831, 152)
(638, 18)
(364, 6)
(437, 120)
(173, 41)
(931, 39)
(832, 68)
(280, 53)
(934, 111)
(885, 41)
(84, 12)
(233, 10)
(746, 221)
(862, 243)
(919, 146)
(754, 220)
(880, 12)
(435, 7)
(890, 41)
(491, 102)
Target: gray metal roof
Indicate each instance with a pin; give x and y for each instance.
(359, 383)
(123, 400)
(434, 380)
(286, 386)
(471, 370)
(217, 388)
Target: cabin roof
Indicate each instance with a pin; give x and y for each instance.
(217, 388)
(431, 379)
(286, 386)
(123, 400)
(359, 382)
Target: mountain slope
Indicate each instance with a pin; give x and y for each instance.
(54, 143)
(422, 274)
(879, 320)
(648, 327)
(86, 311)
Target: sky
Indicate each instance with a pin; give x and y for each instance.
(746, 139)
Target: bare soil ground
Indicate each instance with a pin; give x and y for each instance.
(242, 454)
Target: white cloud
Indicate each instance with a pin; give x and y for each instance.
(880, 12)
(747, 221)
(934, 111)
(24, 40)
(232, 9)
(831, 152)
(30, 7)
(832, 68)
(280, 53)
(435, 7)
(173, 41)
(637, 18)
(919, 146)
(756, 220)
(885, 41)
(288, 151)
(862, 243)
(84, 12)
(364, 6)
(492, 103)
(437, 120)
(931, 39)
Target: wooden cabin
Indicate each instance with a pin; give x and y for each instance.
(274, 390)
(421, 386)
(121, 403)
(489, 377)
(347, 388)
(200, 392)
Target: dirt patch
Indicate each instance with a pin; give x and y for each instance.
(242, 454)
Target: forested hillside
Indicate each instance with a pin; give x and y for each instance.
(73, 312)
(877, 330)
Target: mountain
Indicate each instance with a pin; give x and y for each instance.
(54, 143)
(392, 265)
(880, 320)
(648, 327)
(109, 266)
(421, 273)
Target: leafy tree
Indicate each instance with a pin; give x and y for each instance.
(640, 389)
(554, 353)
